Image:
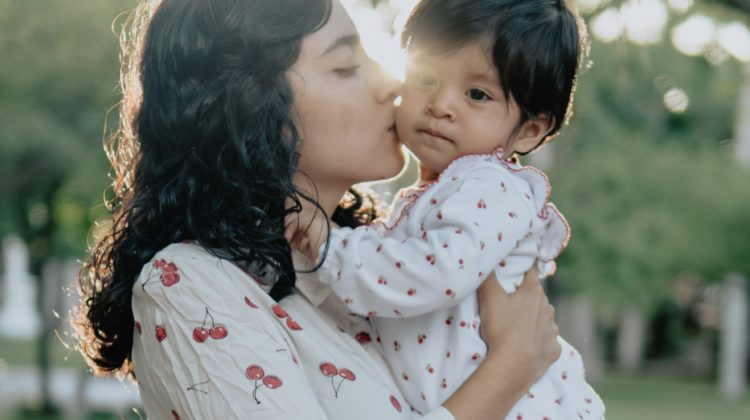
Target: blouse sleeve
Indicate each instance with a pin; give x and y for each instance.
(466, 231)
(206, 347)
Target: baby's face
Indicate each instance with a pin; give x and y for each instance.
(453, 105)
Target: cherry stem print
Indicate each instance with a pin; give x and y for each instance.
(167, 274)
(329, 369)
(217, 331)
(256, 374)
(194, 387)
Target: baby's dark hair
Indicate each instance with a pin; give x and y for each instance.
(537, 47)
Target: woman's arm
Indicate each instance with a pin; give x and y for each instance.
(522, 339)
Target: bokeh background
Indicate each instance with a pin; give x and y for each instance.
(653, 174)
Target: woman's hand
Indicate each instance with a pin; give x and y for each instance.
(521, 336)
(521, 325)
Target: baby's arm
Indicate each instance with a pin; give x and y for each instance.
(467, 229)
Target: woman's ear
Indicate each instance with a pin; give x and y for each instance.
(532, 132)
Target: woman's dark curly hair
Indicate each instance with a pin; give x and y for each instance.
(205, 150)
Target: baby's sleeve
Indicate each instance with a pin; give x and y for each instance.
(210, 349)
(467, 229)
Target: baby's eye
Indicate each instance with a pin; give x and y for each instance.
(478, 95)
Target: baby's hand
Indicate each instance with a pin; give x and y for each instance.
(307, 230)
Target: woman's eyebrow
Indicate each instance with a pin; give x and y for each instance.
(351, 41)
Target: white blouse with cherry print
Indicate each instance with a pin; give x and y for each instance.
(416, 276)
(209, 343)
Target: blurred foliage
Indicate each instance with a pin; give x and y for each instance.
(650, 194)
(58, 79)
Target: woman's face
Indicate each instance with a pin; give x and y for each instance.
(344, 106)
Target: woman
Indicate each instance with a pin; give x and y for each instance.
(231, 110)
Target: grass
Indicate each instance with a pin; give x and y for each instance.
(14, 353)
(664, 398)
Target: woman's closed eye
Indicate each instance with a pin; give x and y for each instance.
(347, 71)
(478, 95)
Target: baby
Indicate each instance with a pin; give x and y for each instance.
(487, 80)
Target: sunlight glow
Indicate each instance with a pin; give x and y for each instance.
(680, 6)
(607, 26)
(676, 100)
(645, 20)
(734, 38)
(694, 35)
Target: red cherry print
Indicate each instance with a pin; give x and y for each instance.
(433, 201)
(499, 237)
(475, 356)
(545, 418)
(512, 215)
(411, 292)
(421, 338)
(502, 263)
(459, 231)
(382, 280)
(530, 395)
(200, 334)
(175, 415)
(450, 293)
(481, 204)
(430, 369)
(170, 278)
(379, 248)
(250, 303)
(347, 374)
(564, 376)
(481, 274)
(272, 382)
(292, 324)
(138, 327)
(448, 320)
(328, 369)
(396, 404)
(431, 259)
(588, 400)
(519, 417)
(502, 186)
(279, 311)
(462, 324)
(396, 346)
(399, 264)
(443, 383)
(445, 244)
(405, 376)
(448, 353)
(159, 263)
(218, 331)
(440, 215)
(558, 401)
(161, 333)
(254, 372)
(363, 337)
(461, 263)
(169, 268)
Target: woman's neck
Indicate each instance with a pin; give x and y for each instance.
(328, 195)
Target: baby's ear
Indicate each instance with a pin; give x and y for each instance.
(532, 132)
